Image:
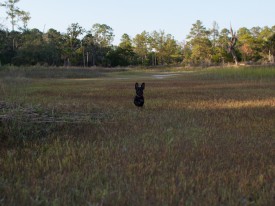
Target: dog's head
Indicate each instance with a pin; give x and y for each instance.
(139, 89)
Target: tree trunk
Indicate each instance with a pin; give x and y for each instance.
(234, 56)
(232, 44)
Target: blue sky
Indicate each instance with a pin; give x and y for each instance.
(132, 17)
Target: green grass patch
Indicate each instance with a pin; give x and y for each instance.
(239, 73)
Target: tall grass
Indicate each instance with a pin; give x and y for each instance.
(237, 73)
(199, 140)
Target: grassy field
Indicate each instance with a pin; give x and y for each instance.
(203, 138)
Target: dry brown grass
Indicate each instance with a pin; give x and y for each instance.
(197, 141)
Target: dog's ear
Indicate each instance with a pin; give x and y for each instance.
(143, 85)
(136, 85)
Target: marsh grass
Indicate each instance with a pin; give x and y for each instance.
(55, 72)
(203, 138)
(239, 73)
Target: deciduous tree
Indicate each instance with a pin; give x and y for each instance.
(125, 51)
(141, 46)
(73, 49)
(165, 46)
(55, 42)
(103, 36)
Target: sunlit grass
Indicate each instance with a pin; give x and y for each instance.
(199, 140)
(245, 73)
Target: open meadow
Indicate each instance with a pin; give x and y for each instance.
(75, 137)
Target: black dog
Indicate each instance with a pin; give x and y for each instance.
(139, 99)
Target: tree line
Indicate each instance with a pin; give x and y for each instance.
(93, 47)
